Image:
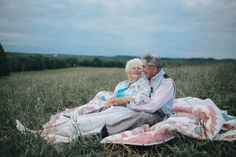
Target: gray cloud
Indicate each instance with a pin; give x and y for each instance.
(174, 28)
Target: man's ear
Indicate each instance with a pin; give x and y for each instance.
(154, 69)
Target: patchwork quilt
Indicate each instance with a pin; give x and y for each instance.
(194, 117)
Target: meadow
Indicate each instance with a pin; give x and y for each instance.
(33, 96)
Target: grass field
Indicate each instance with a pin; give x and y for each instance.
(32, 97)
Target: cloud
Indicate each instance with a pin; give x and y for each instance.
(134, 27)
(19, 39)
(216, 55)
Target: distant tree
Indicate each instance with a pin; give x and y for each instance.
(38, 62)
(72, 62)
(84, 63)
(14, 64)
(3, 62)
(96, 62)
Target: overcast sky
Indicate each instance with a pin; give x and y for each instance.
(171, 28)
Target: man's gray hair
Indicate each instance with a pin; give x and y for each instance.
(153, 59)
(133, 62)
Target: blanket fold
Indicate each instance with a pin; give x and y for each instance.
(197, 118)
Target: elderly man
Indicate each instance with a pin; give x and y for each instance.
(159, 106)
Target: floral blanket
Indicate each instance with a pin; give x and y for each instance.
(194, 117)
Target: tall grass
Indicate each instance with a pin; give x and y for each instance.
(33, 97)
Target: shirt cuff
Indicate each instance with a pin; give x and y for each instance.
(130, 105)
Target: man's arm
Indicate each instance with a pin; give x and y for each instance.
(161, 96)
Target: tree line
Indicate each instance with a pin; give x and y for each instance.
(15, 62)
(40, 62)
(4, 69)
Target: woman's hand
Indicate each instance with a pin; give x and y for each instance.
(112, 102)
(119, 101)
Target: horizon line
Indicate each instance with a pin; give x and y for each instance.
(73, 54)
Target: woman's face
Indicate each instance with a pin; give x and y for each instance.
(135, 72)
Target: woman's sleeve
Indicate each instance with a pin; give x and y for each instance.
(143, 93)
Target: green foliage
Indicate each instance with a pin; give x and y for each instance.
(3, 62)
(26, 62)
(32, 97)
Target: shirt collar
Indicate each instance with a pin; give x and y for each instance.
(158, 76)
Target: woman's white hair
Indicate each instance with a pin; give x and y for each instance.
(133, 62)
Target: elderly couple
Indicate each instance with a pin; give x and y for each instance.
(137, 101)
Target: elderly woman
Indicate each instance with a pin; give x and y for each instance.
(89, 119)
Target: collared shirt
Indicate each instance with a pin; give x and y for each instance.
(162, 96)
